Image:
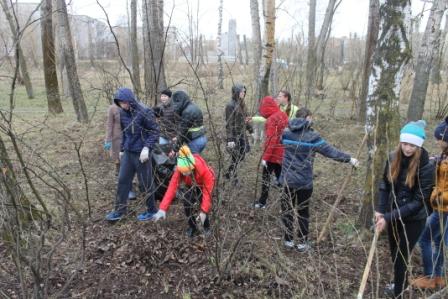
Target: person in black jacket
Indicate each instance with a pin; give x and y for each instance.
(167, 118)
(237, 123)
(190, 123)
(406, 185)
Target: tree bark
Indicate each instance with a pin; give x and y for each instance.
(70, 64)
(311, 54)
(372, 36)
(256, 44)
(147, 53)
(15, 30)
(436, 78)
(428, 48)
(383, 119)
(48, 54)
(268, 49)
(134, 49)
(219, 47)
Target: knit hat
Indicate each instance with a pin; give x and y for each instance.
(185, 160)
(413, 132)
(167, 92)
(441, 131)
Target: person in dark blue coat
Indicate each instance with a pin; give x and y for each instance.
(140, 134)
(301, 144)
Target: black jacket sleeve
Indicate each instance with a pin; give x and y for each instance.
(385, 188)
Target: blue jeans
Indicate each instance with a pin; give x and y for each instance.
(129, 165)
(197, 145)
(432, 245)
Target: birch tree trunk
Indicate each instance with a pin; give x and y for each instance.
(268, 49)
(15, 30)
(256, 44)
(372, 36)
(435, 70)
(383, 118)
(219, 47)
(49, 62)
(311, 55)
(134, 49)
(68, 55)
(428, 49)
(246, 52)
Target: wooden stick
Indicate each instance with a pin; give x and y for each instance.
(339, 197)
(365, 275)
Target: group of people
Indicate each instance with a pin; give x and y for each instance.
(290, 146)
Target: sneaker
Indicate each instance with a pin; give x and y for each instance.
(114, 216)
(389, 290)
(191, 232)
(146, 216)
(289, 244)
(303, 247)
(132, 195)
(259, 205)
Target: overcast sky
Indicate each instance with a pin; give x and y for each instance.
(351, 16)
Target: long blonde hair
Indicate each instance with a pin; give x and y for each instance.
(412, 168)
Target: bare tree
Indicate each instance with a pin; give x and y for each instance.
(436, 78)
(219, 48)
(246, 52)
(154, 48)
(268, 49)
(68, 55)
(256, 41)
(311, 54)
(323, 38)
(428, 49)
(14, 26)
(134, 48)
(372, 36)
(383, 119)
(48, 54)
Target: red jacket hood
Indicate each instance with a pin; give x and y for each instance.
(268, 107)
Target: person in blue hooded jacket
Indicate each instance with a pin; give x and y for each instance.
(301, 144)
(140, 134)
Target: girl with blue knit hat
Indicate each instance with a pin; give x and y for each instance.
(435, 236)
(406, 184)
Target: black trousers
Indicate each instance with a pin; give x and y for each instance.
(296, 199)
(191, 196)
(402, 238)
(237, 154)
(266, 180)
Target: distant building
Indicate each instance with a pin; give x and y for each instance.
(229, 40)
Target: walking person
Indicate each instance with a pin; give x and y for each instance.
(237, 123)
(193, 172)
(434, 238)
(140, 134)
(301, 144)
(276, 122)
(190, 124)
(406, 184)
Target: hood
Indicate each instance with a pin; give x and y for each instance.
(297, 124)
(236, 89)
(180, 101)
(125, 95)
(268, 107)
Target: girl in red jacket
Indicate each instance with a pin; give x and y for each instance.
(194, 172)
(271, 162)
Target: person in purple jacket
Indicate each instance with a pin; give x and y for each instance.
(140, 134)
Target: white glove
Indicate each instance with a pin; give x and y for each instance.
(264, 163)
(161, 214)
(354, 162)
(231, 144)
(120, 155)
(202, 217)
(144, 155)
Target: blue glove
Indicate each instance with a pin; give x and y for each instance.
(107, 145)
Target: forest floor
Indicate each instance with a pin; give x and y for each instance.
(243, 258)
